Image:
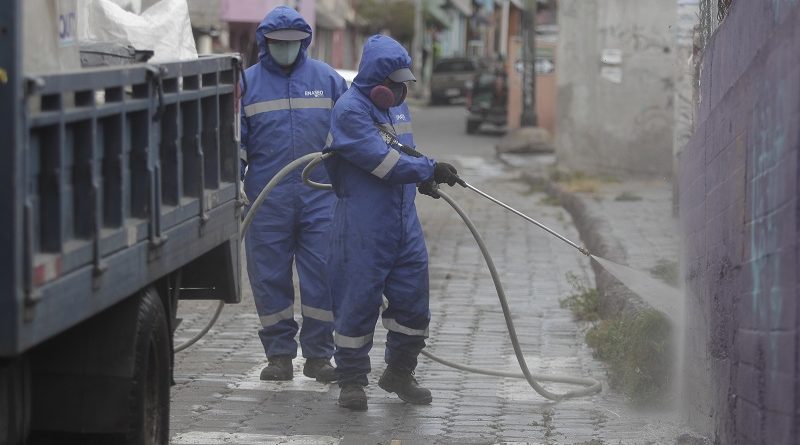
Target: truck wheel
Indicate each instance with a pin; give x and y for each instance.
(15, 403)
(149, 407)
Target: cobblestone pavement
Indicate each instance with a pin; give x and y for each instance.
(218, 398)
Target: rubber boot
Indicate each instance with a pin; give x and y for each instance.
(279, 368)
(403, 383)
(320, 369)
(353, 397)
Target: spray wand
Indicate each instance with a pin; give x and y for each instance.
(527, 218)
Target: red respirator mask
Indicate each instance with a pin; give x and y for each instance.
(385, 97)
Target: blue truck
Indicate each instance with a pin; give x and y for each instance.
(119, 195)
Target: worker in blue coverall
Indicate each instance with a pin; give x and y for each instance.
(286, 114)
(377, 244)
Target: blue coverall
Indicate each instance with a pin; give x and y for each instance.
(285, 116)
(377, 244)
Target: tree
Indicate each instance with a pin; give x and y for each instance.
(394, 17)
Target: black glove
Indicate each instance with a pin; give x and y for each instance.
(444, 173)
(429, 188)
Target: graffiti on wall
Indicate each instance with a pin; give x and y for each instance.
(636, 37)
(766, 182)
(781, 7)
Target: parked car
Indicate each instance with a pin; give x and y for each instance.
(487, 100)
(451, 79)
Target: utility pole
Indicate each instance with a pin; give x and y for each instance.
(416, 50)
(529, 117)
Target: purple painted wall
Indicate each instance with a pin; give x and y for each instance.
(739, 208)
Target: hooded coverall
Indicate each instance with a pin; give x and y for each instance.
(287, 115)
(377, 244)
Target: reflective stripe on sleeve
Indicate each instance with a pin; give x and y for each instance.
(392, 325)
(404, 128)
(272, 319)
(389, 161)
(329, 140)
(344, 341)
(317, 314)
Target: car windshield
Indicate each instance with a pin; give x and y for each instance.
(453, 66)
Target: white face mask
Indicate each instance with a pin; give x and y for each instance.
(284, 52)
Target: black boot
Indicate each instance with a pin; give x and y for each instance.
(279, 368)
(320, 369)
(403, 383)
(353, 397)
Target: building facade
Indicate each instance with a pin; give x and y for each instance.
(615, 87)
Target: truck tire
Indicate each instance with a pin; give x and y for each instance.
(149, 402)
(107, 380)
(14, 401)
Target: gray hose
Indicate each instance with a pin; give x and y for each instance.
(310, 167)
(591, 386)
(204, 331)
(314, 159)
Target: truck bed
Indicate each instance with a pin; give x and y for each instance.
(125, 175)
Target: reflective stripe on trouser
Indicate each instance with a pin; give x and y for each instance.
(357, 289)
(408, 315)
(352, 351)
(269, 265)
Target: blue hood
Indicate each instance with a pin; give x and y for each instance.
(281, 17)
(382, 56)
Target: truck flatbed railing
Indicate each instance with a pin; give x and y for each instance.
(125, 169)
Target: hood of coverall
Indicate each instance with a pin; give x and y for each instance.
(281, 17)
(382, 56)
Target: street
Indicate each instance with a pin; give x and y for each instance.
(219, 399)
(619, 267)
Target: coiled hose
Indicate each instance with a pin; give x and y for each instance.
(590, 386)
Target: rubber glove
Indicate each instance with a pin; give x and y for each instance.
(429, 188)
(444, 173)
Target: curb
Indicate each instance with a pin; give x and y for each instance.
(615, 298)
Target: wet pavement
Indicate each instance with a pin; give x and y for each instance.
(218, 398)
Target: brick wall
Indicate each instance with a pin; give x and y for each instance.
(739, 188)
